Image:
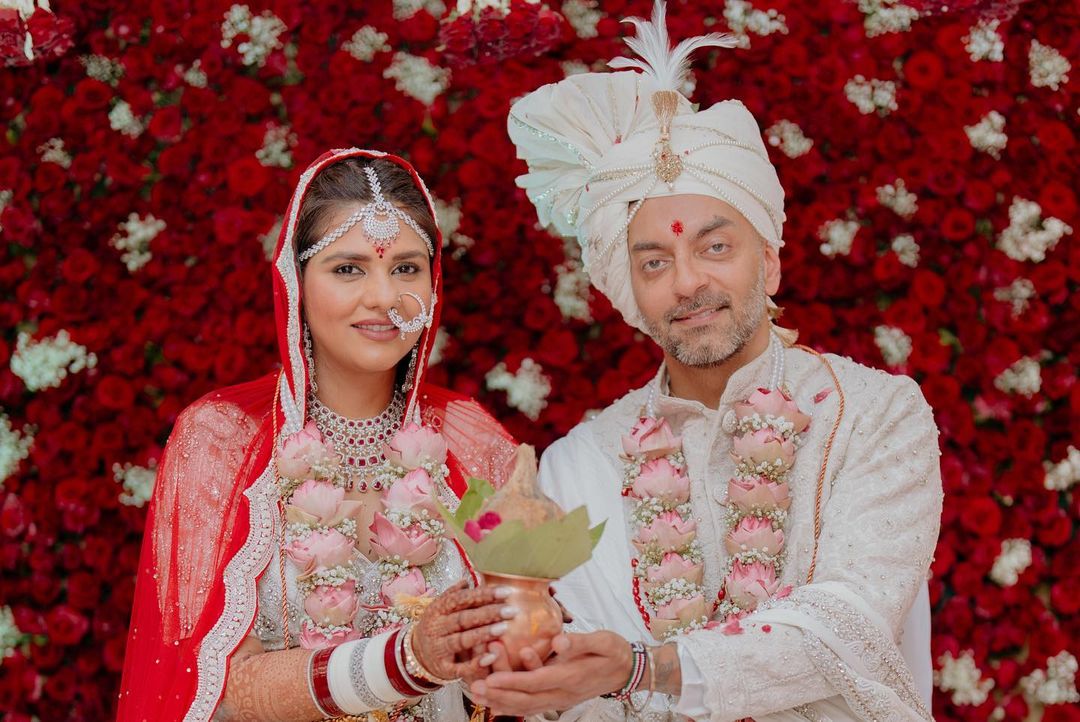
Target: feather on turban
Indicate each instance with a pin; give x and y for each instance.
(596, 144)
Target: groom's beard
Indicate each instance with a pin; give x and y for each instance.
(712, 345)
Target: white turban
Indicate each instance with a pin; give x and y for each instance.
(594, 146)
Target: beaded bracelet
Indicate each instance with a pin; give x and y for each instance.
(652, 684)
(636, 673)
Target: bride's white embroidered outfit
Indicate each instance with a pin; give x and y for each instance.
(851, 639)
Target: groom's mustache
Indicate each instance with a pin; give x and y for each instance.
(703, 300)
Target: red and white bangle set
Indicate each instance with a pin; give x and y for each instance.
(369, 674)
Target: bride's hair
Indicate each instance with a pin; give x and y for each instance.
(345, 183)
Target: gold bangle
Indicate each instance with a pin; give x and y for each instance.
(412, 663)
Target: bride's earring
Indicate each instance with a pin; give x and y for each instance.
(410, 374)
(423, 319)
(309, 355)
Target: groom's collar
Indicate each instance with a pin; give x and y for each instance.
(742, 383)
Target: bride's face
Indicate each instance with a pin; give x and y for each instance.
(348, 290)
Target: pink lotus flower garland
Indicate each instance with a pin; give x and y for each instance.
(320, 537)
(668, 570)
(321, 529)
(766, 436)
(407, 535)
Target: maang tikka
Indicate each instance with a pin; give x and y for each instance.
(380, 219)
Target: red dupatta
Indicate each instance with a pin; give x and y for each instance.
(211, 524)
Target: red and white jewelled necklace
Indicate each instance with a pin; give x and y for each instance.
(668, 568)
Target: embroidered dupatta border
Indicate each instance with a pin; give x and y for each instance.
(240, 600)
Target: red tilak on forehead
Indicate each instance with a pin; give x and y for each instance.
(677, 227)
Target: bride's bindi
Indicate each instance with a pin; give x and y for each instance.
(677, 228)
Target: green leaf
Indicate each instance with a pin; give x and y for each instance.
(548, 551)
(477, 492)
(596, 532)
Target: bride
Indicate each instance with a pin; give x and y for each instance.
(290, 570)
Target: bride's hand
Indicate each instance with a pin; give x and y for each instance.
(457, 622)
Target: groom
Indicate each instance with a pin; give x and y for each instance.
(771, 512)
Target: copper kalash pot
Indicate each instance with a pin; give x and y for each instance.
(539, 617)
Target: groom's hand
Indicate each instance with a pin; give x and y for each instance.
(584, 666)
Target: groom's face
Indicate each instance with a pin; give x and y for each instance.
(700, 275)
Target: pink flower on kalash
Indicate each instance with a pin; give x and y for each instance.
(333, 606)
(773, 403)
(672, 566)
(483, 525)
(668, 532)
(764, 445)
(659, 479)
(302, 450)
(652, 438)
(413, 492)
(756, 492)
(413, 545)
(411, 584)
(415, 445)
(750, 584)
(754, 533)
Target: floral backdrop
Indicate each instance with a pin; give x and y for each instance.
(930, 160)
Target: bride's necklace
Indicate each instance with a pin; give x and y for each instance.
(359, 442)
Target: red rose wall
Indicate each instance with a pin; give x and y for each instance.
(930, 163)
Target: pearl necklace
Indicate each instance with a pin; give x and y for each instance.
(359, 442)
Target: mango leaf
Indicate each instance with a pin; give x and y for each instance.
(548, 551)
(477, 491)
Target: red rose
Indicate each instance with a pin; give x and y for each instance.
(12, 37)
(84, 591)
(1065, 596)
(923, 70)
(981, 516)
(979, 195)
(247, 176)
(1057, 200)
(92, 94)
(65, 626)
(419, 28)
(115, 393)
(1056, 532)
(166, 123)
(13, 516)
(957, 225)
(458, 38)
(928, 288)
(51, 33)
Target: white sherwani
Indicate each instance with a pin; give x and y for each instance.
(852, 645)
